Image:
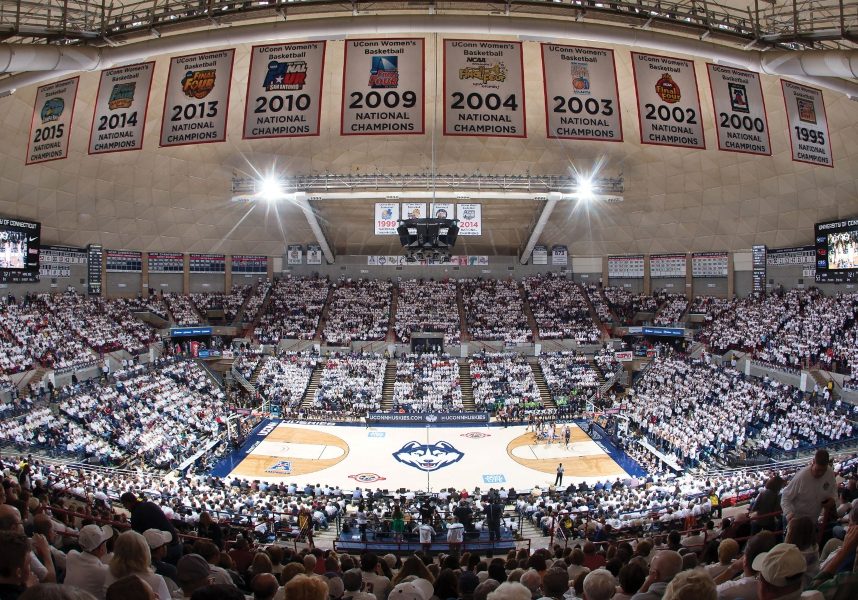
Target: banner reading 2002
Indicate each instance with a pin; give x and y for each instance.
(808, 124)
(668, 101)
(196, 102)
(383, 89)
(50, 127)
(483, 89)
(120, 109)
(740, 110)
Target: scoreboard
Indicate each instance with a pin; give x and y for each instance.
(207, 263)
(166, 262)
(94, 255)
(250, 264)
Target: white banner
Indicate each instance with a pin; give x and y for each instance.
(808, 124)
(455, 261)
(667, 265)
(314, 254)
(560, 255)
(442, 210)
(413, 210)
(582, 101)
(483, 88)
(295, 254)
(196, 101)
(740, 110)
(470, 219)
(383, 87)
(709, 264)
(119, 116)
(668, 101)
(50, 127)
(284, 90)
(539, 255)
(626, 267)
(624, 356)
(386, 218)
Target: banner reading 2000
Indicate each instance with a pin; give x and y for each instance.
(196, 102)
(52, 119)
(383, 90)
(668, 101)
(120, 109)
(483, 89)
(740, 110)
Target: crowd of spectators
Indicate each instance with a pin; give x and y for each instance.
(503, 379)
(294, 310)
(626, 305)
(256, 300)
(494, 311)
(600, 305)
(426, 383)
(560, 309)
(182, 309)
(359, 311)
(671, 308)
(426, 305)
(283, 379)
(710, 306)
(230, 303)
(570, 376)
(351, 384)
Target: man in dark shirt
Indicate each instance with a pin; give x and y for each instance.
(14, 564)
(148, 515)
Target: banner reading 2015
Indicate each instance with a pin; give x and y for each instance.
(581, 97)
(383, 87)
(668, 101)
(284, 90)
(50, 127)
(196, 103)
(740, 110)
(808, 124)
(120, 109)
(483, 89)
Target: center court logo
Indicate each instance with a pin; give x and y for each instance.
(428, 457)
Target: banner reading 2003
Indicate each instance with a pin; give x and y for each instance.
(668, 101)
(196, 102)
(483, 89)
(383, 89)
(808, 124)
(52, 119)
(740, 110)
(120, 109)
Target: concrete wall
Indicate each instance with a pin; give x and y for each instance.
(633, 285)
(122, 285)
(166, 282)
(207, 282)
(673, 285)
(710, 286)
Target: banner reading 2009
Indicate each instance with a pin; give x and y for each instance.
(740, 110)
(120, 109)
(808, 124)
(668, 101)
(483, 89)
(52, 120)
(196, 102)
(383, 87)
(581, 97)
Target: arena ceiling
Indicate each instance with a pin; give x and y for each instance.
(181, 198)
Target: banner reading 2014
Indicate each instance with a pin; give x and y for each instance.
(50, 127)
(740, 110)
(581, 97)
(808, 124)
(483, 89)
(196, 103)
(284, 90)
(668, 101)
(383, 87)
(120, 109)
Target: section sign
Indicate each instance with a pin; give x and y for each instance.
(740, 110)
(808, 124)
(50, 127)
(119, 115)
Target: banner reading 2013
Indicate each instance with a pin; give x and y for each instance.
(284, 90)
(668, 101)
(50, 127)
(483, 89)
(581, 97)
(808, 124)
(196, 103)
(120, 109)
(740, 110)
(383, 87)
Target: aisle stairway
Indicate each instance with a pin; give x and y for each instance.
(323, 318)
(394, 301)
(387, 389)
(239, 314)
(313, 385)
(460, 302)
(256, 370)
(467, 386)
(593, 314)
(528, 312)
(539, 376)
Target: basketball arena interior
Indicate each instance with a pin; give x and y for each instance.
(451, 299)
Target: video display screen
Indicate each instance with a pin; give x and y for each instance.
(837, 251)
(19, 250)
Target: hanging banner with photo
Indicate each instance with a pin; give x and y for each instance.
(442, 210)
(470, 219)
(413, 210)
(295, 254)
(196, 101)
(314, 254)
(560, 255)
(808, 124)
(284, 90)
(667, 265)
(483, 89)
(386, 218)
(740, 110)
(582, 101)
(668, 101)
(50, 127)
(120, 110)
(539, 256)
(383, 87)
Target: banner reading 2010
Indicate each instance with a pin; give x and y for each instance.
(196, 103)
(740, 110)
(50, 127)
(808, 124)
(483, 89)
(120, 109)
(668, 101)
(383, 87)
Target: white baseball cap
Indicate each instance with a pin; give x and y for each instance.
(781, 565)
(157, 538)
(93, 536)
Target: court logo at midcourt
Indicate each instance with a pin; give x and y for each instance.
(428, 457)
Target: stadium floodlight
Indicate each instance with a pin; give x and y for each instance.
(585, 188)
(270, 189)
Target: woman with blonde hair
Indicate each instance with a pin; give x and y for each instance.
(302, 587)
(131, 556)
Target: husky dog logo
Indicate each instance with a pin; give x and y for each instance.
(428, 457)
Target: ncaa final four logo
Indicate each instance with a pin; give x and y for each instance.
(285, 76)
(122, 95)
(198, 84)
(667, 89)
(52, 110)
(384, 72)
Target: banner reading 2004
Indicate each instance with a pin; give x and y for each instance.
(52, 119)
(383, 90)
(483, 89)
(120, 109)
(808, 124)
(196, 102)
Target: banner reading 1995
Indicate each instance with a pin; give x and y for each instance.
(808, 124)
(196, 102)
(483, 88)
(740, 110)
(383, 87)
(581, 97)
(120, 109)
(668, 101)
(50, 127)
(284, 90)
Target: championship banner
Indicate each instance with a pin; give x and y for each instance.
(470, 219)
(284, 90)
(196, 101)
(413, 210)
(51, 124)
(668, 101)
(667, 265)
(560, 255)
(582, 101)
(386, 218)
(740, 110)
(539, 255)
(314, 254)
(808, 124)
(295, 254)
(484, 89)
(442, 210)
(383, 87)
(119, 115)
